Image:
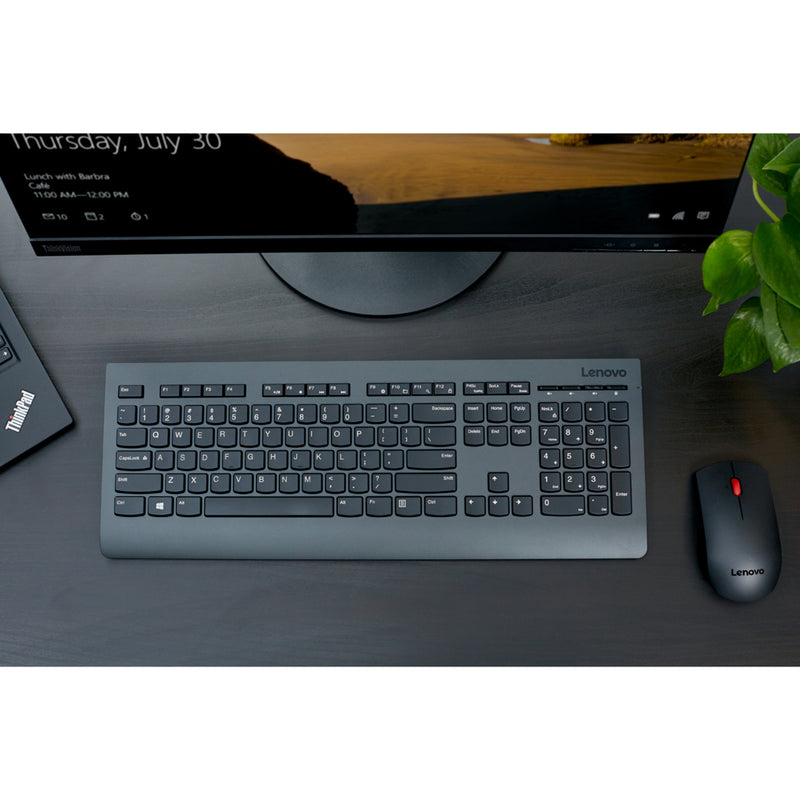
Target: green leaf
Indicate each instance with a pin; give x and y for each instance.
(787, 162)
(793, 196)
(780, 352)
(776, 248)
(729, 270)
(789, 319)
(744, 343)
(764, 148)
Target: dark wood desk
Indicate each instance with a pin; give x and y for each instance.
(62, 602)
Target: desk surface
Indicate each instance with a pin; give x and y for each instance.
(62, 602)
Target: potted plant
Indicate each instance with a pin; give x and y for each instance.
(737, 263)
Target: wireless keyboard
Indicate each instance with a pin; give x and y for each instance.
(479, 459)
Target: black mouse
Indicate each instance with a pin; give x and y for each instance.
(743, 546)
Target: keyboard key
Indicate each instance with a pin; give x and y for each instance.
(571, 412)
(128, 506)
(619, 446)
(130, 390)
(475, 506)
(408, 506)
(424, 483)
(474, 437)
(444, 388)
(597, 481)
(474, 388)
(550, 481)
(440, 506)
(497, 388)
(498, 482)
(169, 390)
(521, 436)
(272, 390)
(126, 415)
(399, 388)
(398, 413)
(299, 506)
(213, 390)
(563, 505)
(621, 493)
(138, 484)
(338, 390)
(497, 436)
(473, 412)
(188, 506)
(159, 506)
(134, 437)
(431, 459)
(349, 506)
(498, 506)
(595, 412)
(433, 412)
(522, 387)
(235, 390)
(379, 506)
(134, 460)
(497, 412)
(522, 505)
(548, 412)
(439, 436)
(618, 412)
(520, 412)
(377, 389)
(191, 390)
(598, 505)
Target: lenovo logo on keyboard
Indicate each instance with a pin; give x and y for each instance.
(603, 373)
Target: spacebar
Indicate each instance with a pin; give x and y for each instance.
(269, 506)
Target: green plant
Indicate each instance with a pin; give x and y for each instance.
(766, 326)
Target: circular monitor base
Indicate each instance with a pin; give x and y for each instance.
(380, 284)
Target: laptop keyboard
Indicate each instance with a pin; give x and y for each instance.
(403, 459)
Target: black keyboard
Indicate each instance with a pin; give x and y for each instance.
(374, 460)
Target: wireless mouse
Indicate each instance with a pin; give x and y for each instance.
(740, 529)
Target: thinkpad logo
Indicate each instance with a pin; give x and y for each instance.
(603, 373)
(21, 409)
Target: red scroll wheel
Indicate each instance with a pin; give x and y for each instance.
(736, 486)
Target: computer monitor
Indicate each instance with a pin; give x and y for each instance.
(374, 224)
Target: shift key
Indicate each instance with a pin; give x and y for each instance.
(425, 483)
(134, 459)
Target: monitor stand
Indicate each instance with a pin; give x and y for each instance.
(380, 284)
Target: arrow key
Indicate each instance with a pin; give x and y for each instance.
(475, 506)
(498, 481)
(498, 506)
(522, 505)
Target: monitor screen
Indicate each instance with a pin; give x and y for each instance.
(90, 193)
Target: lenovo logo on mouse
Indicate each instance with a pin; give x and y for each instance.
(603, 373)
(21, 409)
(740, 572)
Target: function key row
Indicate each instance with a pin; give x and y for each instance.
(406, 389)
(171, 390)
